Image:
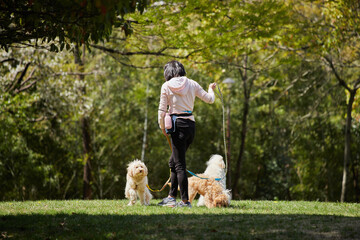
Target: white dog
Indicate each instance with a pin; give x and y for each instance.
(136, 181)
(215, 169)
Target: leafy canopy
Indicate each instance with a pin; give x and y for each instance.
(77, 21)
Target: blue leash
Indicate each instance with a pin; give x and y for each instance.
(222, 103)
(225, 148)
(216, 179)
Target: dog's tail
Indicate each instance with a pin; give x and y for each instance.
(227, 192)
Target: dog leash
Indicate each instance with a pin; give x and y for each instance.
(225, 148)
(220, 95)
(216, 179)
(163, 187)
(168, 139)
(166, 183)
(223, 108)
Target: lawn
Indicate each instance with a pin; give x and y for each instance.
(113, 219)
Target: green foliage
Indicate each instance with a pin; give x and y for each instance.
(63, 21)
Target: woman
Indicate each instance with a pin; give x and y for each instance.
(178, 94)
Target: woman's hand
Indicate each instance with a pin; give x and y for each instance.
(212, 86)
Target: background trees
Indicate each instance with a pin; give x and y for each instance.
(333, 31)
(288, 112)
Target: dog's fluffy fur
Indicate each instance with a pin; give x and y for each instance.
(136, 181)
(215, 169)
(213, 193)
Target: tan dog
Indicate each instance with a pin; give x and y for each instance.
(136, 181)
(213, 193)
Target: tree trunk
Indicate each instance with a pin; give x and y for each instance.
(228, 145)
(356, 181)
(87, 178)
(143, 149)
(247, 85)
(347, 151)
(242, 147)
(85, 127)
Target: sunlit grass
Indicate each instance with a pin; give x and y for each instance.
(113, 219)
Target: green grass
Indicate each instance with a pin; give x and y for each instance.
(113, 219)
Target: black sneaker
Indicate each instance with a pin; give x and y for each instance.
(168, 201)
(182, 204)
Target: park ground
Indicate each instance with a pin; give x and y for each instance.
(113, 219)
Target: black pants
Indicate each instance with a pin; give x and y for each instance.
(180, 140)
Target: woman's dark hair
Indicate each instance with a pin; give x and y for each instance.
(173, 69)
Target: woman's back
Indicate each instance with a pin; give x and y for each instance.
(179, 94)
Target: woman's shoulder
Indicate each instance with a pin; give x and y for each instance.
(193, 82)
(195, 85)
(165, 85)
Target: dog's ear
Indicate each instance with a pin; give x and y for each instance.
(222, 164)
(130, 171)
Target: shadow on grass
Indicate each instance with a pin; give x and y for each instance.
(179, 226)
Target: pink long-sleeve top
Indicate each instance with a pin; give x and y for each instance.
(179, 94)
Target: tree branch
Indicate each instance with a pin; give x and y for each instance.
(7, 60)
(157, 53)
(39, 119)
(73, 74)
(17, 82)
(26, 87)
(341, 81)
(133, 66)
(29, 77)
(357, 84)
